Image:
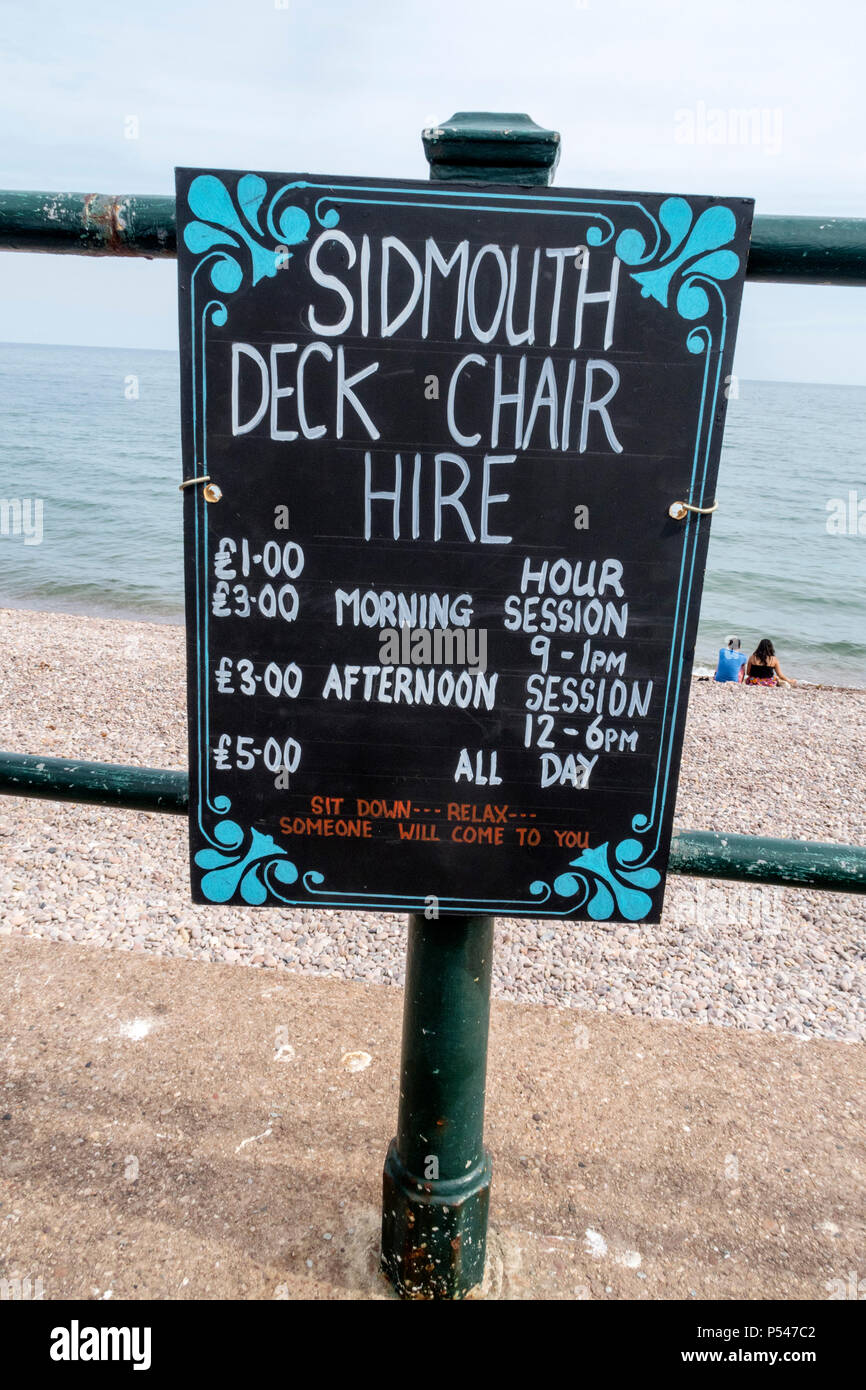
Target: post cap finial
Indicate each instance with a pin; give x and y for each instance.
(492, 146)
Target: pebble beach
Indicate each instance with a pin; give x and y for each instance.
(789, 763)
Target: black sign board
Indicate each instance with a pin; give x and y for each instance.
(440, 616)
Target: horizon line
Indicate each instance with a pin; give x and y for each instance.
(116, 347)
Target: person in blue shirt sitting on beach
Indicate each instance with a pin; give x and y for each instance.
(762, 667)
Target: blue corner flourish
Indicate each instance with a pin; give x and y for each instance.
(693, 248)
(222, 223)
(612, 887)
(249, 867)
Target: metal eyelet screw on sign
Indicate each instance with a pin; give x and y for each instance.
(680, 509)
(211, 492)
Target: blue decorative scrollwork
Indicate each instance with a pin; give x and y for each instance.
(693, 250)
(606, 888)
(220, 224)
(250, 867)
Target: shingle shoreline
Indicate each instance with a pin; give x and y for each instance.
(786, 763)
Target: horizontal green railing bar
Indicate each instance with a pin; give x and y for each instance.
(103, 784)
(759, 859)
(89, 224)
(697, 853)
(822, 250)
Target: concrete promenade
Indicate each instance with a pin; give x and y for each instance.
(177, 1129)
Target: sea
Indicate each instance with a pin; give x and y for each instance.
(94, 433)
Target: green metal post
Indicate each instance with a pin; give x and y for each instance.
(436, 1185)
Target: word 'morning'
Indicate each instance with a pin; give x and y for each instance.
(390, 609)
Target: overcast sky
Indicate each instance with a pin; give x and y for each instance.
(641, 90)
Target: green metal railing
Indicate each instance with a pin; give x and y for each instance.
(818, 250)
(435, 1222)
(697, 853)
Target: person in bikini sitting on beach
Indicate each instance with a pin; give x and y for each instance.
(762, 667)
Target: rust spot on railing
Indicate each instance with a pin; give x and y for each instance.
(104, 221)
